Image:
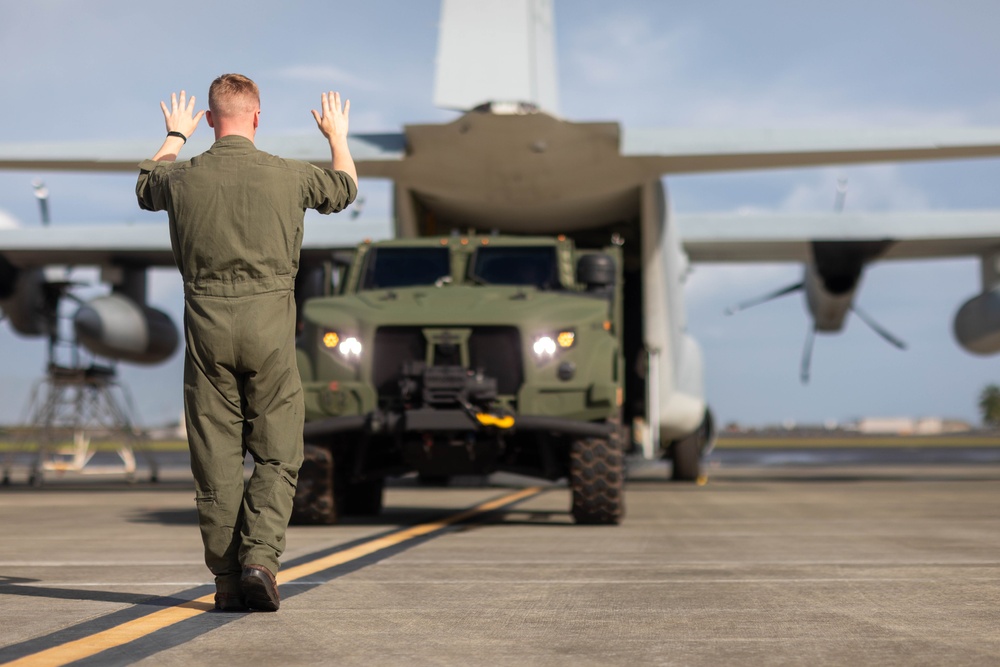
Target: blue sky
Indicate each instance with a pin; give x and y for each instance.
(97, 71)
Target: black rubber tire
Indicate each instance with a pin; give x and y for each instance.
(686, 456)
(315, 500)
(364, 498)
(433, 480)
(597, 481)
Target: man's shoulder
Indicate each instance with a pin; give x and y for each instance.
(162, 168)
(284, 162)
(301, 167)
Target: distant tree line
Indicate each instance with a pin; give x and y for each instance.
(989, 405)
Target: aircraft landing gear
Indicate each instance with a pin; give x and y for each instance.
(687, 453)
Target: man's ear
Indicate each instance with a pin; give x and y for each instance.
(208, 118)
(256, 118)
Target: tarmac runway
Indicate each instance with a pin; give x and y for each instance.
(770, 563)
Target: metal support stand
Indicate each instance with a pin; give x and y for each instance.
(72, 412)
(79, 408)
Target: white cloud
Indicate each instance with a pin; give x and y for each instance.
(626, 50)
(334, 77)
(875, 188)
(689, 69)
(7, 221)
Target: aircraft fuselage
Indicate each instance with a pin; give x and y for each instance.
(523, 173)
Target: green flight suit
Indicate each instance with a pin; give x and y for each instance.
(236, 219)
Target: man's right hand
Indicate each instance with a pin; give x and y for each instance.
(180, 117)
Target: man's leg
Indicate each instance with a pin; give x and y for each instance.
(215, 437)
(274, 413)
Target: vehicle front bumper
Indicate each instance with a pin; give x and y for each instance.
(449, 421)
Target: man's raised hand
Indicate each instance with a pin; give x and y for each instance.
(333, 121)
(180, 117)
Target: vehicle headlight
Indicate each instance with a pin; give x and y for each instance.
(544, 347)
(547, 345)
(349, 347)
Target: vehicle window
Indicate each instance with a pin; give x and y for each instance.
(405, 267)
(534, 266)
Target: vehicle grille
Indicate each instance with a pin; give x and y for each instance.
(495, 350)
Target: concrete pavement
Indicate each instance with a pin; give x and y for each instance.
(782, 565)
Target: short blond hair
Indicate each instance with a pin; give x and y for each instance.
(233, 95)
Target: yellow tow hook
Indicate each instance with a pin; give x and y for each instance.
(492, 420)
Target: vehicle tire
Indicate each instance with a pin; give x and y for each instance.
(686, 459)
(433, 480)
(597, 481)
(315, 500)
(364, 498)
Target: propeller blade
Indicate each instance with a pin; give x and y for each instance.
(807, 352)
(841, 196)
(763, 299)
(866, 318)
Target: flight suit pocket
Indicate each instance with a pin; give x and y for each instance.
(205, 502)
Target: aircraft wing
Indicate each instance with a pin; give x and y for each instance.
(666, 151)
(144, 244)
(701, 150)
(785, 237)
(663, 151)
(374, 154)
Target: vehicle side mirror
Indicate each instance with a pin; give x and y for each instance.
(596, 271)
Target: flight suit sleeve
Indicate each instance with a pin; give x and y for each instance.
(151, 187)
(329, 191)
(151, 191)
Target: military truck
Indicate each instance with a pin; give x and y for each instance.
(464, 355)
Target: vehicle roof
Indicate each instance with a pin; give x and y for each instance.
(467, 239)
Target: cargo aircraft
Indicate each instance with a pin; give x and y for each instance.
(510, 163)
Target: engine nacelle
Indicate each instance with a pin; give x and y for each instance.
(116, 327)
(8, 278)
(977, 323)
(828, 309)
(24, 301)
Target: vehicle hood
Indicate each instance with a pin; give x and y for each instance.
(458, 305)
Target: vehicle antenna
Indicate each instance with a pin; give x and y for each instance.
(42, 193)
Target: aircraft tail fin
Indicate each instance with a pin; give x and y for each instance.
(496, 51)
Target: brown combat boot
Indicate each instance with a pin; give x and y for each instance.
(229, 602)
(260, 590)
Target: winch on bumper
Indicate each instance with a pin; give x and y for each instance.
(442, 399)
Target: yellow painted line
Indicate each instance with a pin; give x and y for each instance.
(346, 556)
(118, 635)
(141, 627)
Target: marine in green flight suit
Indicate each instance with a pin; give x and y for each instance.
(236, 219)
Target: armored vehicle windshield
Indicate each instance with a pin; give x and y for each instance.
(404, 267)
(516, 265)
